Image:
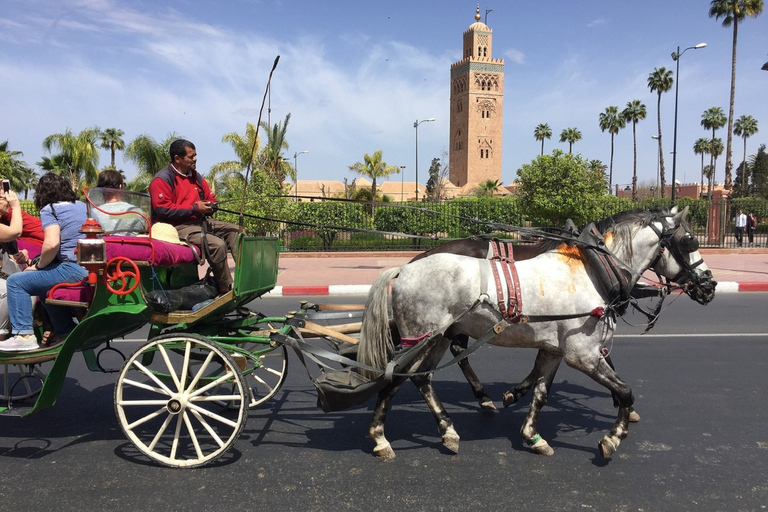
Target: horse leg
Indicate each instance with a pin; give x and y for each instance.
(605, 375)
(457, 346)
(544, 372)
(376, 430)
(512, 396)
(634, 417)
(444, 421)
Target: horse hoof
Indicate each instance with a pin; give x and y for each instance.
(451, 441)
(608, 447)
(633, 416)
(509, 399)
(384, 452)
(488, 405)
(542, 448)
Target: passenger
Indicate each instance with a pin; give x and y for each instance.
(62, 215)
(8, 233)
(181, 197)
(31, 238)
(123, 225)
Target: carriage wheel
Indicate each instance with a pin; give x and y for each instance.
(16, 384)
(267, 380)
(264, 378)
(177, 417)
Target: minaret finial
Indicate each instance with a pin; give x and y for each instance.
(477, 13)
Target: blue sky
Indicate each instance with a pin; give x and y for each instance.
(355, 75)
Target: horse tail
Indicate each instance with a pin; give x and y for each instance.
(376, 347)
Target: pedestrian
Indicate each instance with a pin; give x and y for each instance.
(751, 227)
(181, 197)
(741, 223)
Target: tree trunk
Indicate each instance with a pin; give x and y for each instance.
(634, 165)
(661, 150)
(728, 160)
(610, 169)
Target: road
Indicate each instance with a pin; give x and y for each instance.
(699, 379)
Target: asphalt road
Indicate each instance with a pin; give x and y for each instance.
(699, 380)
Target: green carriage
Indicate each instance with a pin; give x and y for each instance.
(183, 396)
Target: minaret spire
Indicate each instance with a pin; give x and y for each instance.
(477, 13)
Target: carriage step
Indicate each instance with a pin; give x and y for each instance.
(15, 410)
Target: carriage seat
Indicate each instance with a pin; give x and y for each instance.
(142, 251)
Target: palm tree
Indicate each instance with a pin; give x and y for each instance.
(634, 112)
(15, 170)
(487, 188)
(701, 147)
(274, 164)
(612, 121)
(745, 127)
(715, 149)
(112, 139)
(541, 132)
(713, 119)
(79, 154)
(232, 171)
(150, 157)
(733, 12)
(374, 167)
(660, 81)
(570, 135)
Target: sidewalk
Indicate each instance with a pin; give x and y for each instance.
(736, 270)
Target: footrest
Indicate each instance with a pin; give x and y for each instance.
(187, 316)
(37, 356)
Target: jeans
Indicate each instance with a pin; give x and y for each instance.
(23, 285)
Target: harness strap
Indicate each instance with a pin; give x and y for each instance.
(502, 256)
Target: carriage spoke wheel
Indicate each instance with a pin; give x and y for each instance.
(175, 416)
(268, 378)
(265, 373)
(18, 383)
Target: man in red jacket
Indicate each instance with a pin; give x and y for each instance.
(181, 197)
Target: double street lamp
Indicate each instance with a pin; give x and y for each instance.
(676, 57)
(416, 126)
(296, 170)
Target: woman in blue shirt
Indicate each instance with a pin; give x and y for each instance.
(62, 215)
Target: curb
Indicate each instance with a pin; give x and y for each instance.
(362, 289)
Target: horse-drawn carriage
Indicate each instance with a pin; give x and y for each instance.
(182, 398)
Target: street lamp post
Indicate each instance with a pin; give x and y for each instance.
(676, 57)
(402, 183)
(416, 126)
(296, 170)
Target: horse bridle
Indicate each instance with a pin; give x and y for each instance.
(666, 237)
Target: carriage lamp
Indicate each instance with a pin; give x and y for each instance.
(92, 250)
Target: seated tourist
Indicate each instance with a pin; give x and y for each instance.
(10, 230)
(62, 215)
(113, 195)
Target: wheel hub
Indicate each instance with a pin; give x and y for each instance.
(174, 406)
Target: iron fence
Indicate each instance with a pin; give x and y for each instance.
(410, 227)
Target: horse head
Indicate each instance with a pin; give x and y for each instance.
(678, 256)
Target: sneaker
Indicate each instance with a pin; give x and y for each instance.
(19, 343)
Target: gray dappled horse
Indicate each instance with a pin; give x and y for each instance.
(477, 247)
(569, 316)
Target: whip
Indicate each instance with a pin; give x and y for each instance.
(240, 220)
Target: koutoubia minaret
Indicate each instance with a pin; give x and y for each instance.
(477, 109)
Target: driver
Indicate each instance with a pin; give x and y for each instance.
(181, 197)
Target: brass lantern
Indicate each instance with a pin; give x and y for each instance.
(92, 250)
